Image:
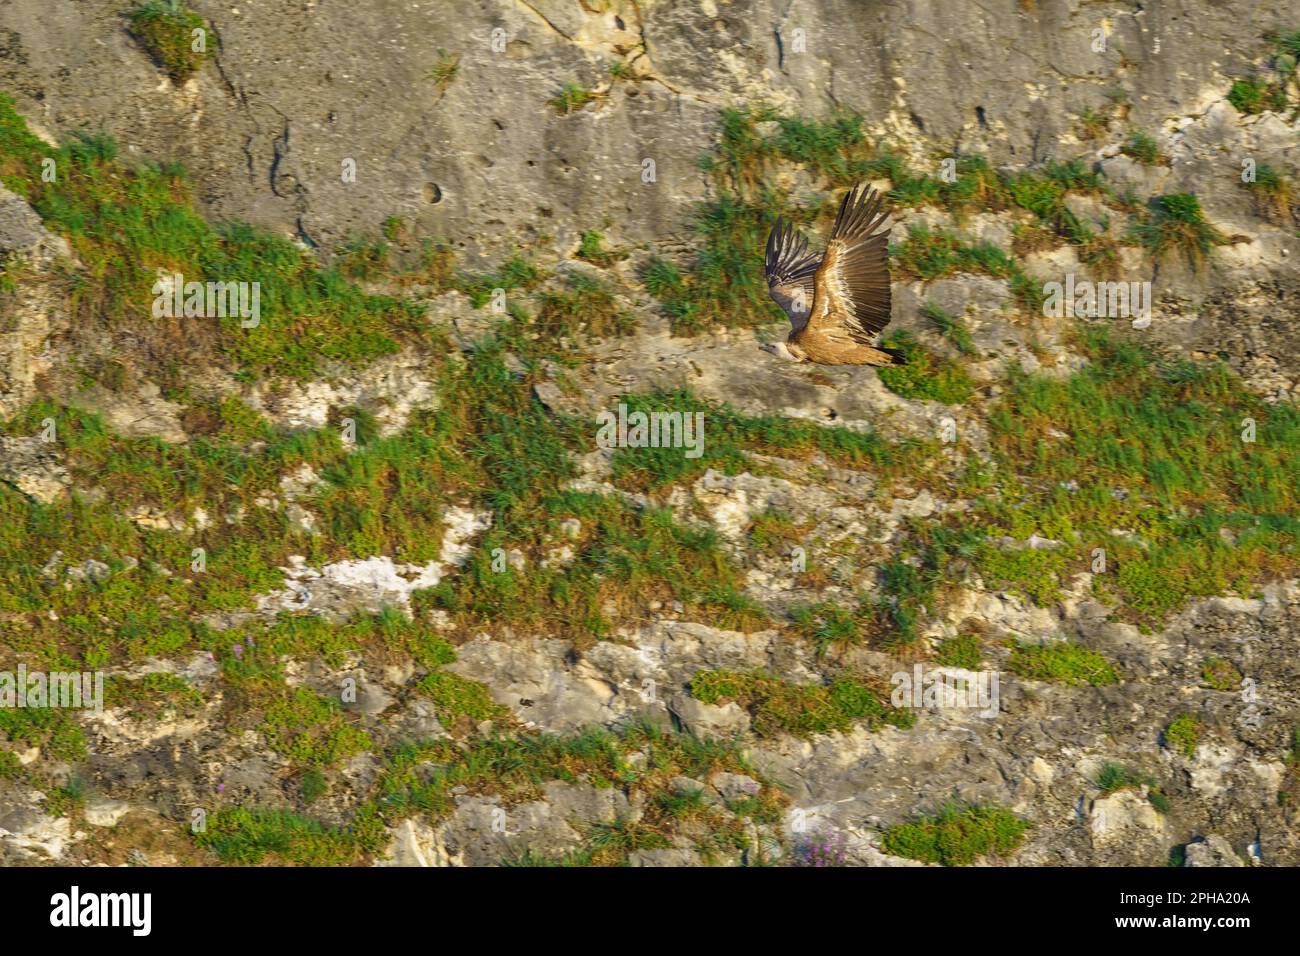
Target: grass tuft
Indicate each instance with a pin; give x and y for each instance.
(1176, 225)
(780, 706)
(957, 835)
(167, 30)
(1062, 663)
(1184, 735)
(923, 375)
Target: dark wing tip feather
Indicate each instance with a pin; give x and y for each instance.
(790, 269)
(787, 258)
(773, 243)
(860, 212)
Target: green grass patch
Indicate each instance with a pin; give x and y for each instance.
(1093, 123)
(1220, 673)
(517, 272)
(591, 248)
(151, 694)
(957, 835)
(964, 650)
(55, 730)
(1034, 573)
(456, 699)
(386, 498)
(1142, 147)
(312, 730)
(931, 557)
(933, 253)
(249, 837)
(1273, 194)
(1175, 225)
(126, 222)
(425, 779)
(444, 70)
(729, 437)
(586, 310)
(951, 326)
(1274, 89)
(1114, 777)
(1154, 447)
(571, 98)
(827, 624)
(623, 561)
(927, 560)
(1061, 662)
(166, 29)
(780, 706)
(1184, 735)
(923, 375)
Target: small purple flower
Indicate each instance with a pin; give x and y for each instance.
(239, 651)
(820, 849)
(250, 640)
(221, 788)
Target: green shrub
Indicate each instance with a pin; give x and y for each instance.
(572, 97)
(957, 835)
(166, 28)
(1184, 735)
(964, 650)
(1142, 147)
(1063, 663)
(1176, 225)
(923, 375)
(456, 697)
(777, 705)
(1220, 674)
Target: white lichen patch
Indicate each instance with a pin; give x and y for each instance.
(368, 585)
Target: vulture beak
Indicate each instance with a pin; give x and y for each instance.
(779, 349)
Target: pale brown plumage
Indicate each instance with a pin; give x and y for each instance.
(839, 303)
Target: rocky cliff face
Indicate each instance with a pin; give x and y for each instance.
(484, 160)
(364, 581)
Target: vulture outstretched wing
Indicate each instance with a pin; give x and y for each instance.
(790, 269)
(851, 286)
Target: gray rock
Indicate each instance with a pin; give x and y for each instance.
(35, 467)
(669, 857)
(106, 812)
(35, 310)
(734, 786)
(1212, 850)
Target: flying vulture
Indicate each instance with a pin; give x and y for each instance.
(837, 303)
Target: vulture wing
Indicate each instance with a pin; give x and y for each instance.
(790, 269)
(851, 300)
